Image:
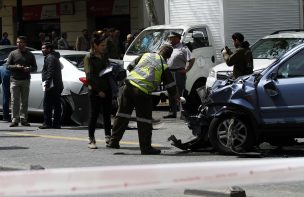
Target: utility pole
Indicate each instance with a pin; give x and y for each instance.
(151, 12)
(20, 25)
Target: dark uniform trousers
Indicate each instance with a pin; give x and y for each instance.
(132, 98)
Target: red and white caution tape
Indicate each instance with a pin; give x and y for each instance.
(72, 181)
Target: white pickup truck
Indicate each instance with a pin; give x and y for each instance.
(197, 37)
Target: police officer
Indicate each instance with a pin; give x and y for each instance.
(241, 59)
(146, 74)
(181, 55)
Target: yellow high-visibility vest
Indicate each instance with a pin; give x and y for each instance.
(146, 75)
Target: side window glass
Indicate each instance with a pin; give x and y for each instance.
(197, 38)
(294, 67)
(40, 62)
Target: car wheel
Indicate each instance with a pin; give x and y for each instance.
(241, 134)
(66, 111)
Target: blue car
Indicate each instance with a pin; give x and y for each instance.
(264, 107)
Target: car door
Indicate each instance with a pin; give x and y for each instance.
(200, 42)
(36, 94)
(281, 93)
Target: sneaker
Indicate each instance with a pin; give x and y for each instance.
(44, 126)
(25, 123)
(152, 151)
(14, 124)
(92, 146)
(170, 116)
(92, 143)
(113, 145)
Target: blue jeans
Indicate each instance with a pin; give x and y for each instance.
(5, 78)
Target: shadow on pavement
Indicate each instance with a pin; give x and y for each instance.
(13, 148)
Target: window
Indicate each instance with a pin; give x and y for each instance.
(293, 67)
(197, 38)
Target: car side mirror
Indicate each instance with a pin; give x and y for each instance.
(271, 89)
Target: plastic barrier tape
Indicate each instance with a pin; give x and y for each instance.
(71, 181)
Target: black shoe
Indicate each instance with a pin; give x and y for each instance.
(14, 124)
(113, 145)
(25, 123)
(170, 116)
(152, 151)
(44, 126)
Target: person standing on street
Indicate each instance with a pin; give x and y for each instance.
(177, 65)
(100, 92)
(83, 41)
(20, 62)
(4, 40)
(52, 86)
(6, 97)
(145, 76)
(241, 59)
(62, 42)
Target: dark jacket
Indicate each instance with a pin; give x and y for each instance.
(93, 65)
(24, 58)
(51, 72)
(241, 59)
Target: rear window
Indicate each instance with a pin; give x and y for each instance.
(76, 60)
(272, 48)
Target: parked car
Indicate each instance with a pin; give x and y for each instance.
(75, 89)
(262, 107)
(6, 49)
(265, 51)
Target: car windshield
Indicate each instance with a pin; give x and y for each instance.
(272, 48)
(150, 41)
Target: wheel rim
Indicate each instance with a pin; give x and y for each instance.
(239, 132)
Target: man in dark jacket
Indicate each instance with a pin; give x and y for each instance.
(52, 86)
(20, 62)
(241, 59)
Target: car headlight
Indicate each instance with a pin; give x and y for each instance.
(212, 74)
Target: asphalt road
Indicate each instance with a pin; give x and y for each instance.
(22, 147)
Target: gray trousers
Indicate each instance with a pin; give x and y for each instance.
(19, 99)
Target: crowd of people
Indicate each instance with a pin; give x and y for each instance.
(169, 65)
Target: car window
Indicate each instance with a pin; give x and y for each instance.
(272, 48)
(293, 67)
(196, 38)
(5, 52)
(76, 60)
(150, 41)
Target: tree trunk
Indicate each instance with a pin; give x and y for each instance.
(151, 12)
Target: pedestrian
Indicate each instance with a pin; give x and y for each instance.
(55, 38)
(62, 42)
(177, 65)
(21, 62)
(128, 41)
(4, 40)
(52, 86)
(241, 59)
(83, 41)
(146, 73)
(100, 93)
(6, 96)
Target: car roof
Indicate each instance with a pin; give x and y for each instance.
(14, 46)
(286, 35)
(65, 52)
(176, 26)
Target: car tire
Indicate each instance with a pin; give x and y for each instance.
(242, 134)
(66, 112)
